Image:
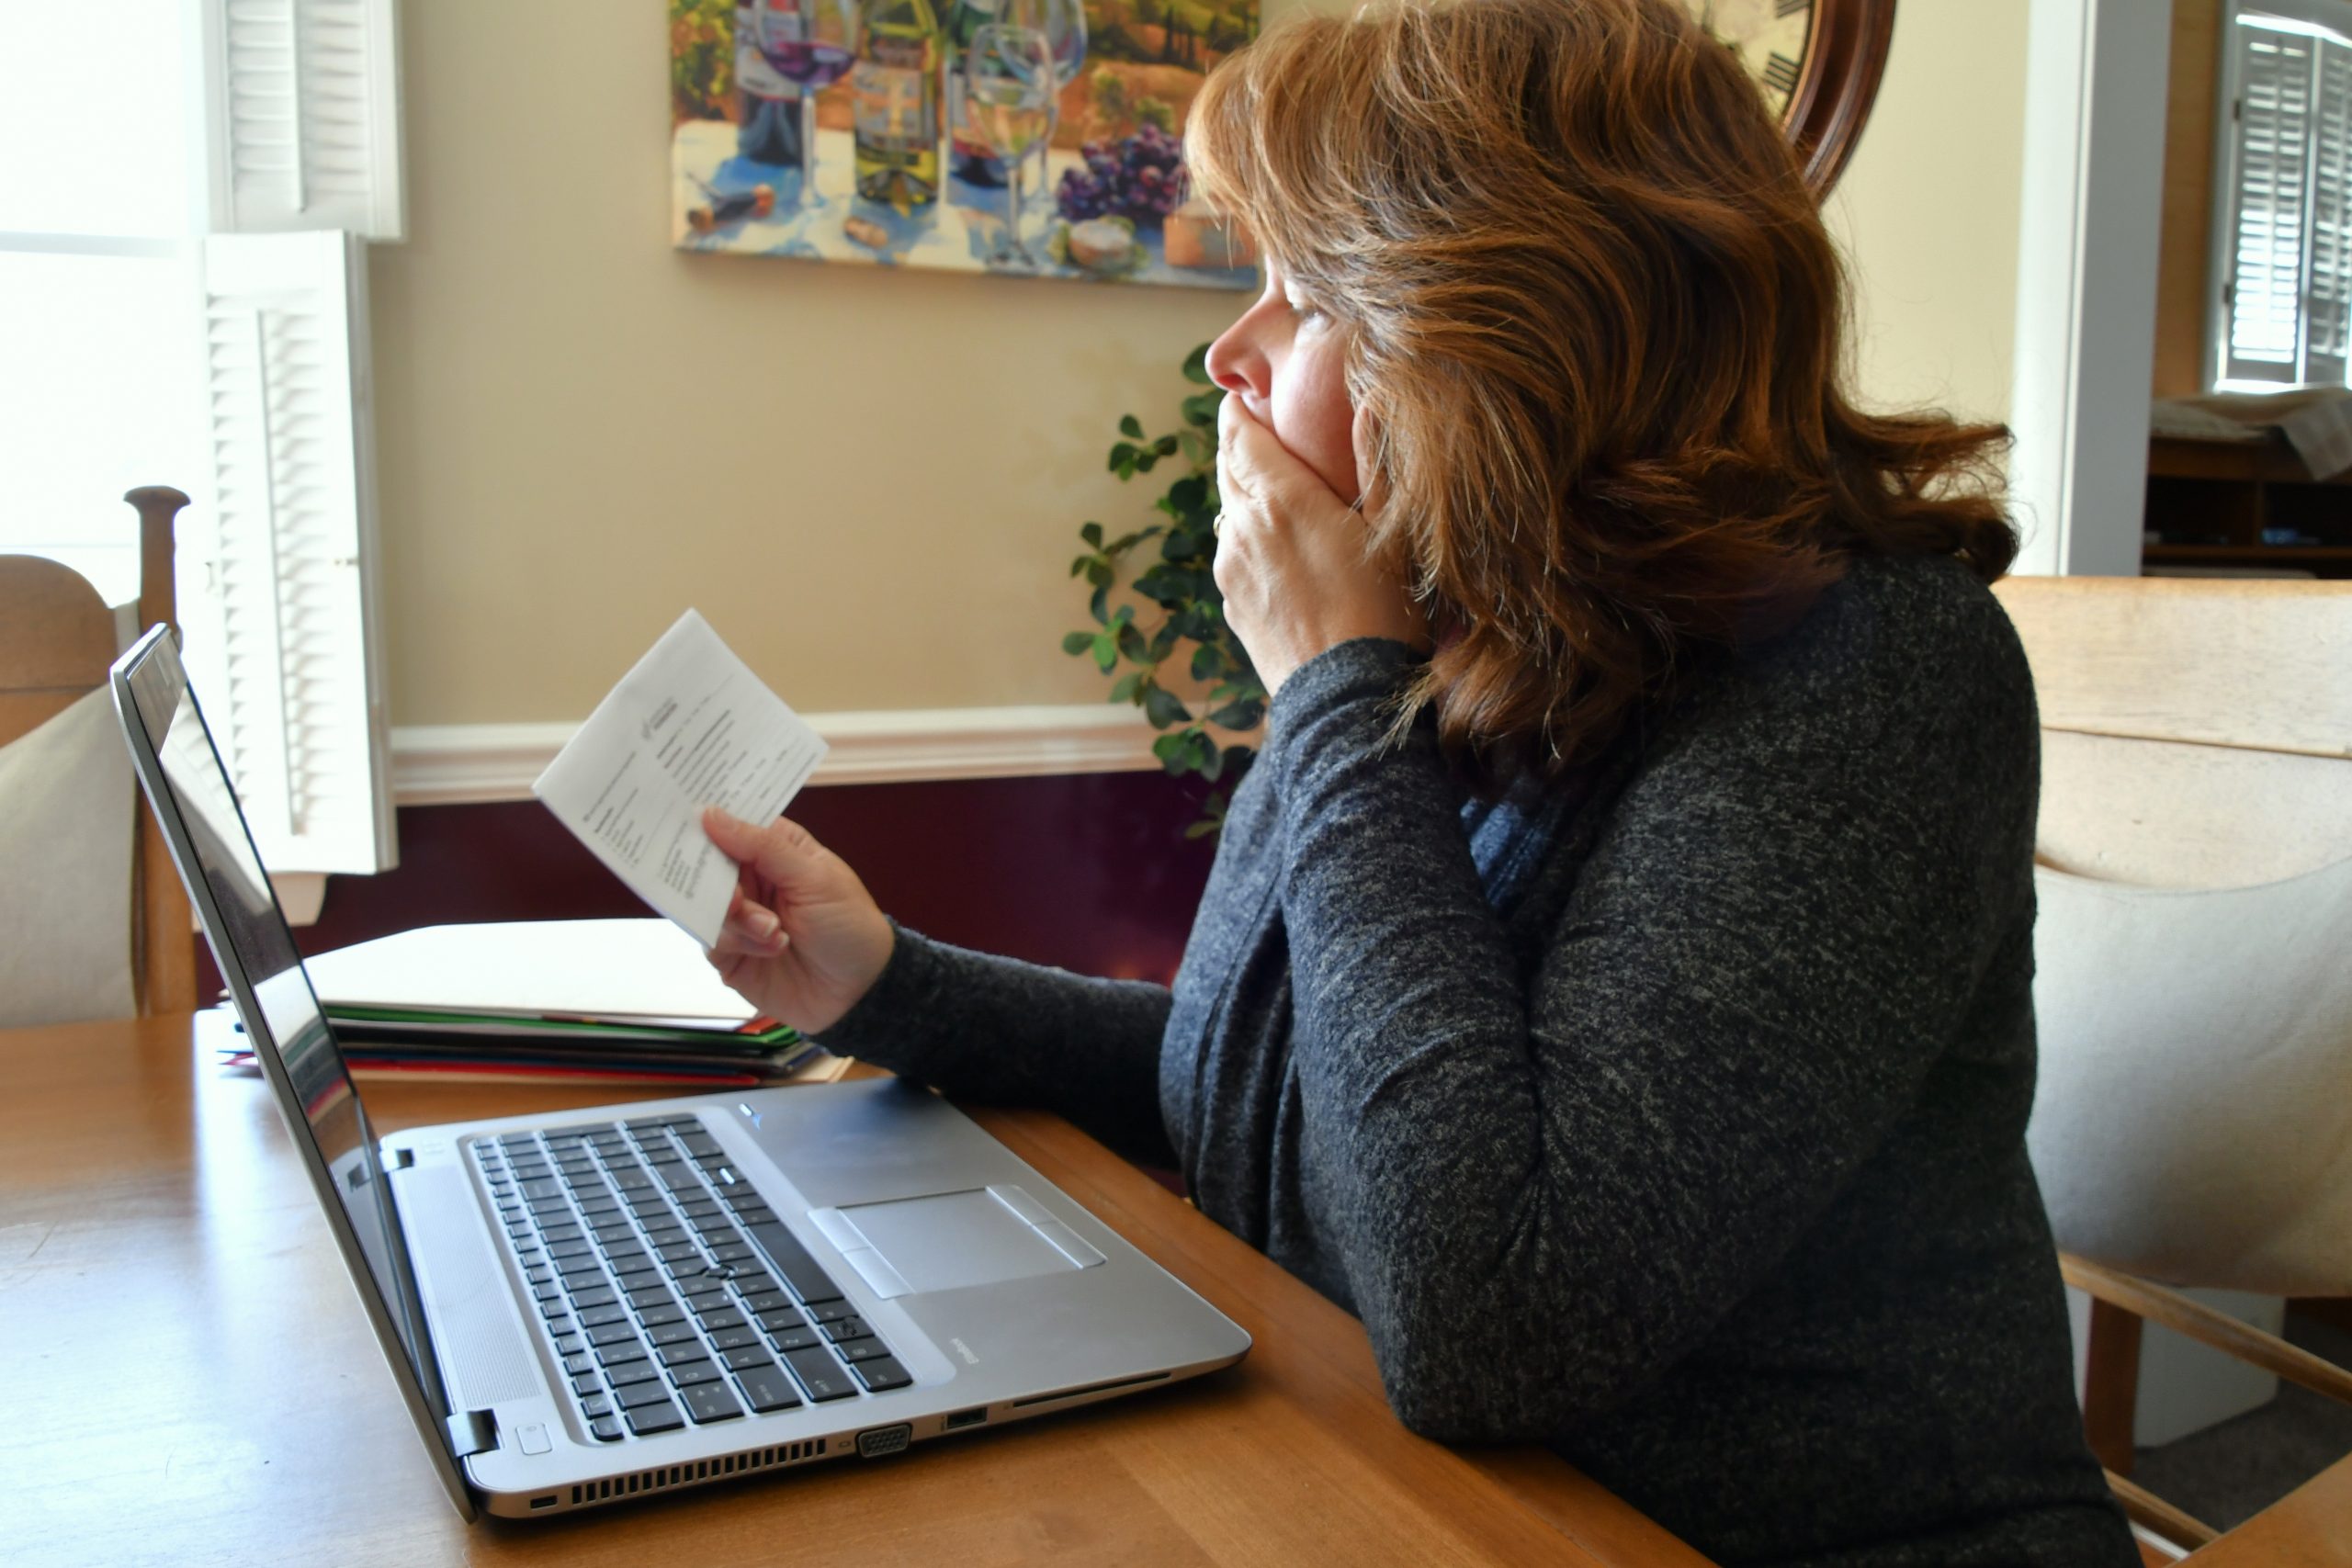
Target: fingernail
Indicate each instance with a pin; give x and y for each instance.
(763, 925)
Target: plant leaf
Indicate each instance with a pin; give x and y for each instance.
(1106, 651)
(1196, 366)
(1238, 715)
(1130, 425)
(1200, 409)
(1076, 642)
(1122, 690)
(1207, 664)
(1092, 535)
(1161, 706)
(1100, 603)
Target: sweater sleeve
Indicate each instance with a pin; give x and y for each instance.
(1554, 1183)
(999, 1032)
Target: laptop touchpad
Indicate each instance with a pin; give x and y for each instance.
(943, 1242)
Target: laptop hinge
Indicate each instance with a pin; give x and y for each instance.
(472, 1432)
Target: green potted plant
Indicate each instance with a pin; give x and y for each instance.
(1182, 616)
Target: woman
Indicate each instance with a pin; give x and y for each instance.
(1614, 981)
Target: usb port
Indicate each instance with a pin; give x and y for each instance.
(546, 1502)
(963, 1418)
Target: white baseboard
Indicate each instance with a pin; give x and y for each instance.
(457, 764)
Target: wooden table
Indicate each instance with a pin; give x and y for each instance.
(187, 1377)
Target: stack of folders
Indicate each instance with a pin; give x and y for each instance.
(576, 1002)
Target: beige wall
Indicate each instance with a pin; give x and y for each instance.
(871, 482)
(1927, 212)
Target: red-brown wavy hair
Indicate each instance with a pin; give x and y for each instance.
(1597, 323)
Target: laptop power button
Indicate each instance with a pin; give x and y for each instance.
(883, 1441)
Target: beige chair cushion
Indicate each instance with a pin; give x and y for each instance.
(67, 826)
(2193, 1122)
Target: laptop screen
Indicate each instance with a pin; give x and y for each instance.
(255, 951)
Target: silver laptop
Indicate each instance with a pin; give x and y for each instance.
(598, 1304)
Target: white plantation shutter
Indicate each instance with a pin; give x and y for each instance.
(2267, 225)
(302, 116)
(2327, 354)
(282, 636)
(2283, 315)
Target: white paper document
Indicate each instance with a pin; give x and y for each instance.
(610, 970)
(689, 726)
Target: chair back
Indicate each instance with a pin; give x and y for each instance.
(2193, 1121)
(57, 639)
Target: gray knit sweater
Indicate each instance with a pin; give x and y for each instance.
(1674, 1118)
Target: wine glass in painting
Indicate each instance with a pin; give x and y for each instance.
(1008, 86)
(1064, 24)
(811, 44)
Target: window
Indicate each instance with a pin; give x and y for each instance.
(2283, 198)
(98, 382)
(183, 302)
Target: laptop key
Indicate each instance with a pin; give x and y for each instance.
(820, 1374)
(579, 1366)
(846, 1328)
(680, 1353)
(605, 1429)
(662, 1316)
(543, 1188)
(829, 1312)
(620, 1354)
(766, 1388)
(800, 1338)
(611, 1334)
(710, 1402)
(596, 1317)
(685, 1374)
(883, 1374)
(679, 1333)
(810, 1282)
(597, 1406)
(587, 1384)
(646, 1419)
(724, 1317)
(639, 1388)
(590, 1296)
(854, 1350)
(775, 1319)
(744, 1358)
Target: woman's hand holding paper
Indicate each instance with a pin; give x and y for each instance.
(803, 940)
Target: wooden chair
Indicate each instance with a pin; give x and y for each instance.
(2197, 759)
(57, 638)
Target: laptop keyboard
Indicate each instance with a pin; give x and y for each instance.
(671, 1291)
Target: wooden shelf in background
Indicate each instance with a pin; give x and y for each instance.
(2246, 555)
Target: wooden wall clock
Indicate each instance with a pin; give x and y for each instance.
(1818, 63)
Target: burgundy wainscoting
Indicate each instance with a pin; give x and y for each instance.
(1089, 872)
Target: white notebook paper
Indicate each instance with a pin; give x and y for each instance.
(689, 726)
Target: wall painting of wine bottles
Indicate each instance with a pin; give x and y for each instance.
(1038, 136)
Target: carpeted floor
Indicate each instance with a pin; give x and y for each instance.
(2226, 1475)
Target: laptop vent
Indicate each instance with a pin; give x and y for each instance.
(663, 1477)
